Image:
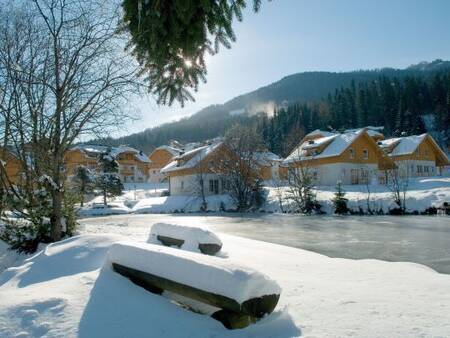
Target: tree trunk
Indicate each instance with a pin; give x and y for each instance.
(56, 224)
(105, 202)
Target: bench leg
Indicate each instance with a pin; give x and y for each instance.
(233, 320)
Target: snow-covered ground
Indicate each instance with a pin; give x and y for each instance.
(63, 291)
(146, 198)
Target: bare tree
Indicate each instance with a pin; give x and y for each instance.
(198, 186)
(301, 183)
(239, 165)
(397, 181)
(63, 75)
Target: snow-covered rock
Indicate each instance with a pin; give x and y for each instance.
(193, 238)
(212, 274)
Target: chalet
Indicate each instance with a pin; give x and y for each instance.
(133, 164)
(159, 158)
(197, 169)
(416, 155)
(351, 157)
(268, 165)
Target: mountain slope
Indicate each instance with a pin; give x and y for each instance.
(301, 87)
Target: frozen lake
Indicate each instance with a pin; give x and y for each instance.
(419, 239)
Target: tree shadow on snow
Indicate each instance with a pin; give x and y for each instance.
(65, 258)
(118, 308)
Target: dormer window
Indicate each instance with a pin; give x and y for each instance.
(351, 152)
(311, 142)
(365, 154)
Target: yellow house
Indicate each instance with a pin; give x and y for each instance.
(133, 164)
(11, 167)
(198, 169)
(351, 157)
(268, 165)
(159, 158)
(416, 155)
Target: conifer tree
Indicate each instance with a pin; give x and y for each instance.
(108, 181)
(170, 39)
(339, 200)
(84, 181)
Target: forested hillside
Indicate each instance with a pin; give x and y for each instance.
(412, 105)
(401, 100)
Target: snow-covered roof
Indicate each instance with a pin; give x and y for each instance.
(402, 145)
(192, 158)
(172, 150)
(266, 158)
(337, 144)
(115, 151)
(319, 132)
(372, 131)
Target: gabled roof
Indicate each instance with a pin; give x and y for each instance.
(337, 143)
(266, 158)
(372, 131)
(95, 150)
(172, 150)
(191, 158)
(402, 145)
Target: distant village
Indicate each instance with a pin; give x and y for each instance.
(357, 156)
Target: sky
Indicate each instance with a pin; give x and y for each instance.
(291, 36)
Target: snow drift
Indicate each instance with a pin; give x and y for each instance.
(208, 273)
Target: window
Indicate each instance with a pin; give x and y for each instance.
(426, 169)
(365, 154)
(419, 169)
(131, 168)
(214, 186)
(364, 176)
(315, 176)
(352, 153)
(182, 185)
(426, 153)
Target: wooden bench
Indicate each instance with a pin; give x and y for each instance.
(241, 295)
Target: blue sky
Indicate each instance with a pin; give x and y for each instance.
(291, 36)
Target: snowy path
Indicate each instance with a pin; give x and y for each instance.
(61, 292)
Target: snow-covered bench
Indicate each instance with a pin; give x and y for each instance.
(239, 295)
(190, 238)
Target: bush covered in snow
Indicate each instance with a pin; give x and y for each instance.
(33, 225)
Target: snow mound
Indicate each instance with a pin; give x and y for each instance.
(192, 236)
(208, 273)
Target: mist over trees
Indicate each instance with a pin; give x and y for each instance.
(407, 101)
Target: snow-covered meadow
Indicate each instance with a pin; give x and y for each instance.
(146, 198)
(65, 290)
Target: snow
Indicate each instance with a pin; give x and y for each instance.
(146, 198)
(173, 204)
(192, 235)
(213, 274)
(322, 133)
(422, 193)
(339, 143)
(266, 158)
(198, 154)
(114, 151)
(403, 145)
(171, 150)
(7, 257)
(63, 292)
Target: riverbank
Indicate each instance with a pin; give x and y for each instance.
(62, 291)
(422, 193)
